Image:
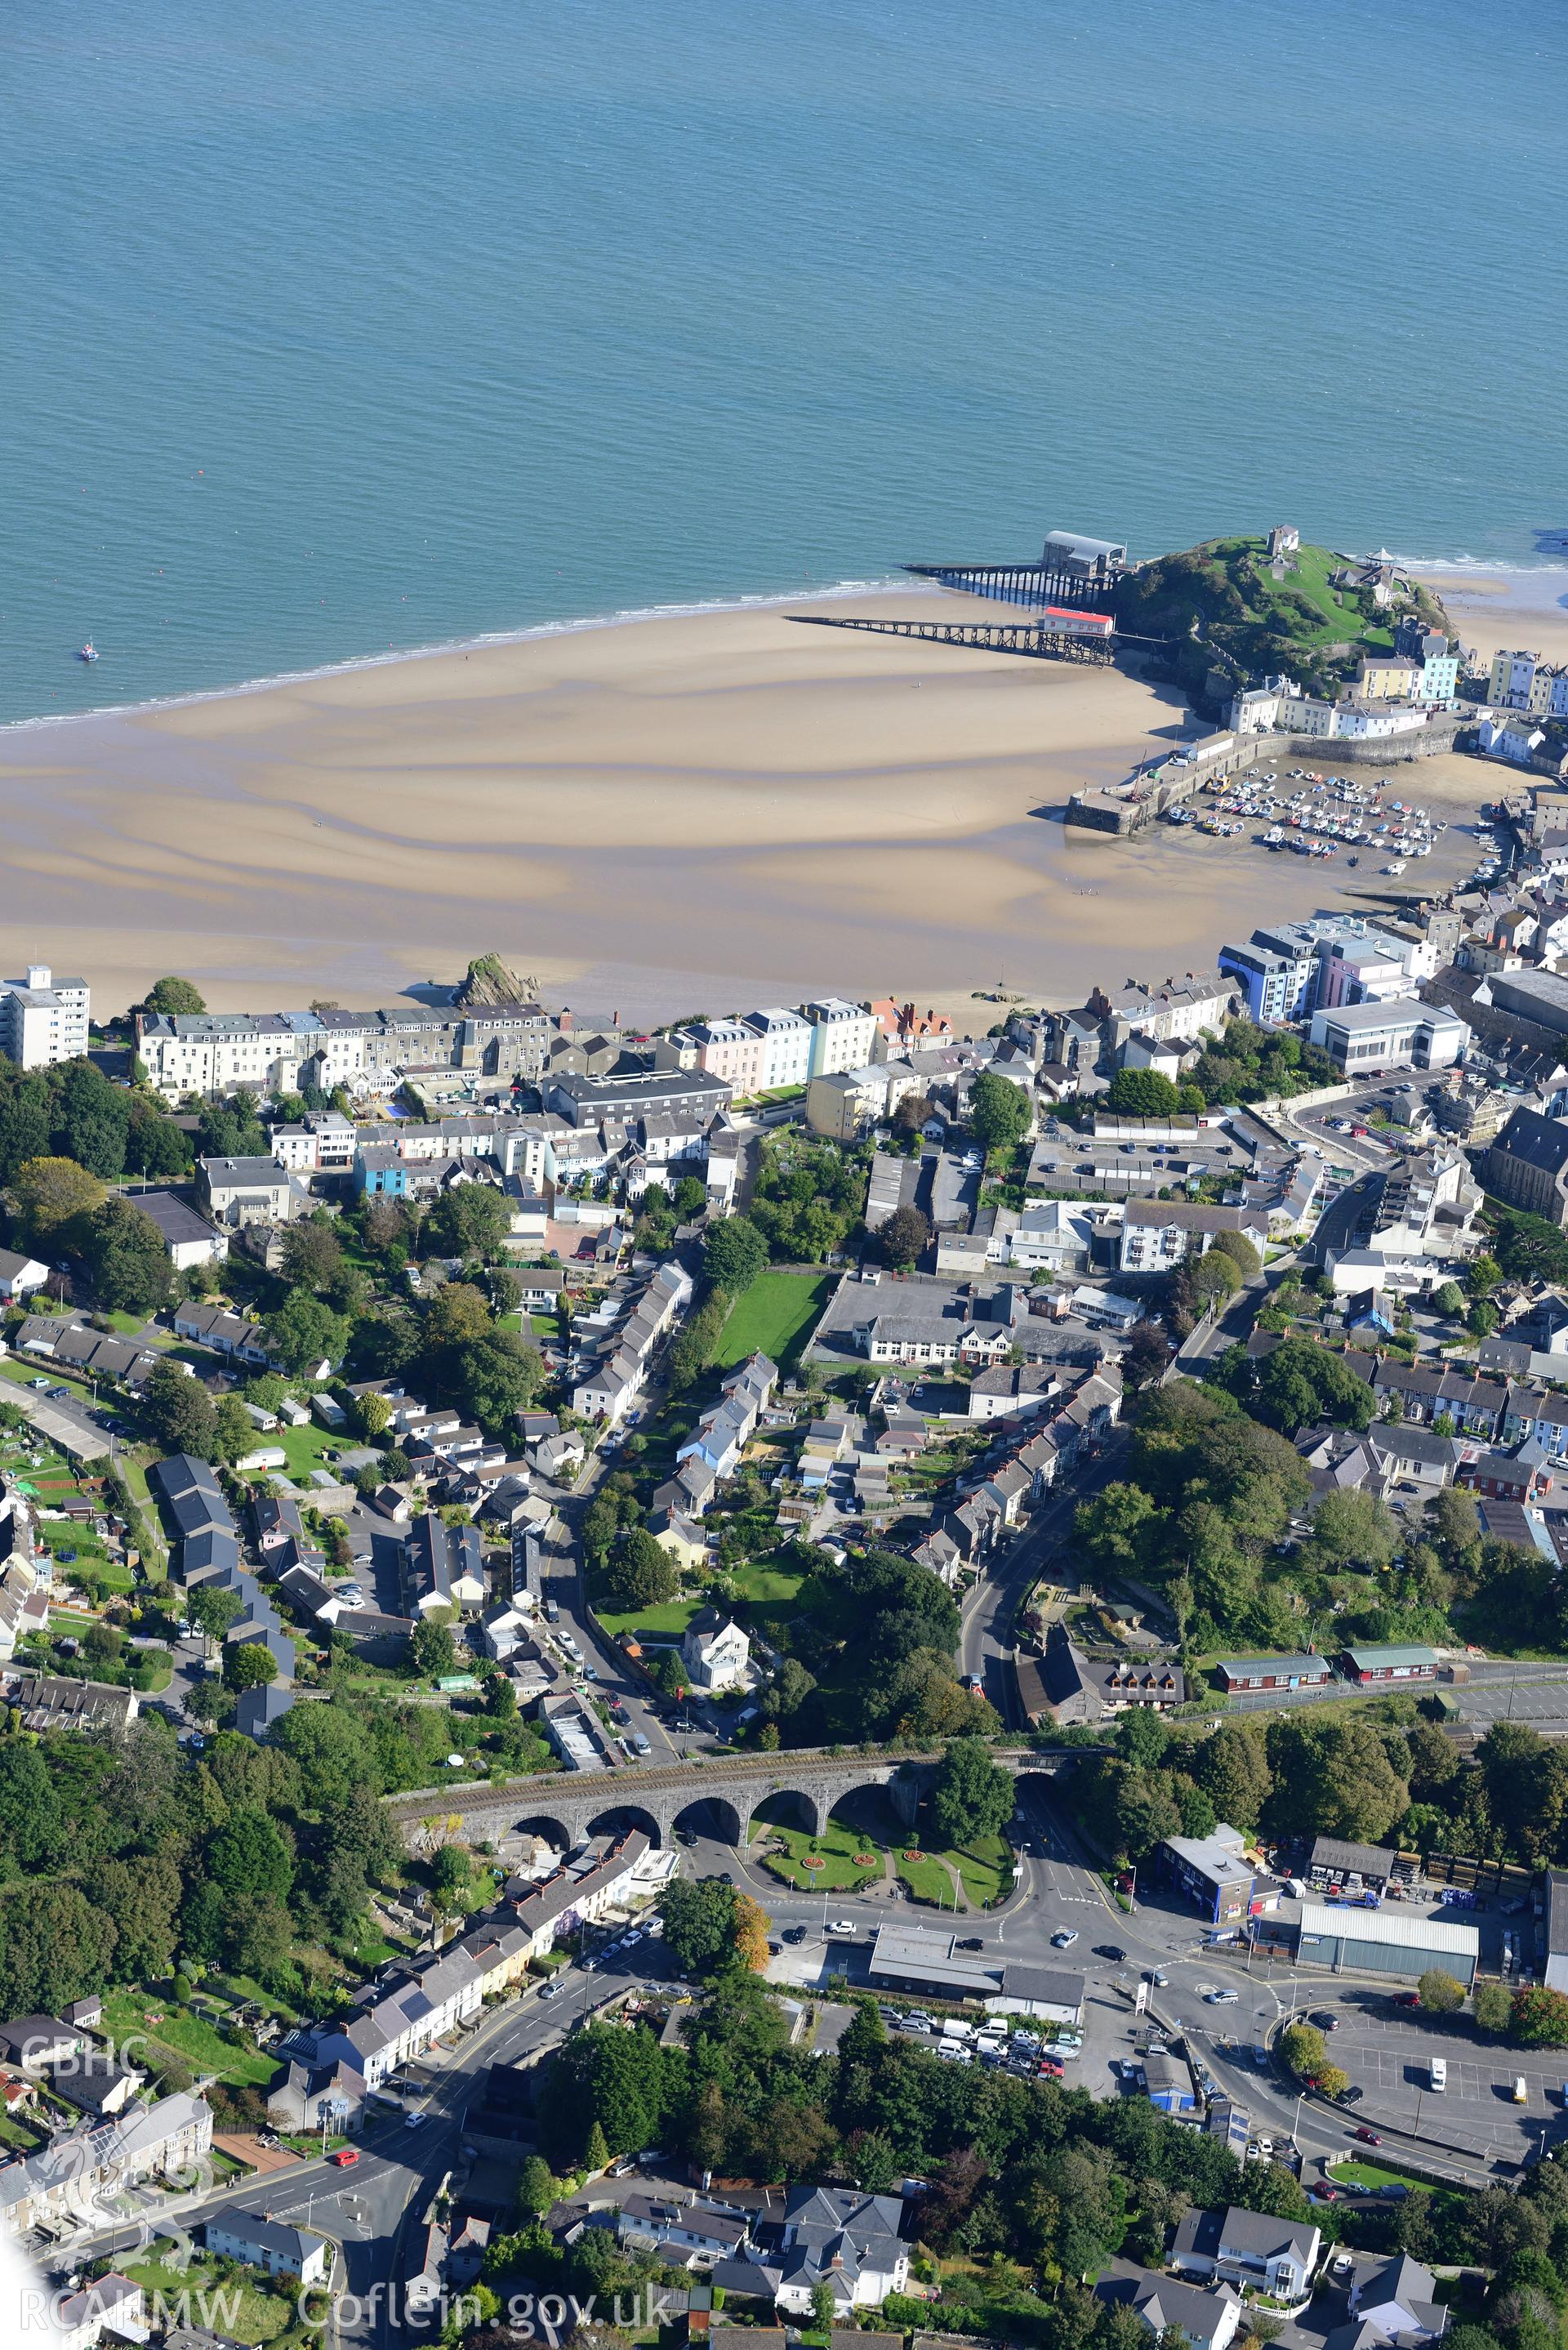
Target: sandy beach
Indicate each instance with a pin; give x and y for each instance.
(669, 816)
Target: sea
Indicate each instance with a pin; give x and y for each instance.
(335, 332)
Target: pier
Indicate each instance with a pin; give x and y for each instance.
(1030, 638)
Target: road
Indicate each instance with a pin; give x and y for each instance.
(986, 1641)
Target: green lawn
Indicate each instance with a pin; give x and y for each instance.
(926, 1878)
(1370, 2173)
(986, 1868)
(181, 2033)
(838, 1846)
(666, 1622)
(777, 1316)
(305, 1448)
(243, 2311)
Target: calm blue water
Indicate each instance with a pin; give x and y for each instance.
(329, 330)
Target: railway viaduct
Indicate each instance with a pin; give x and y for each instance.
(568, 1806)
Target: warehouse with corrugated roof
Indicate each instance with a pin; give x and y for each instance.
(1379, 1942)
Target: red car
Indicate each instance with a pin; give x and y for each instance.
(1053, 2068)
(1368, 2138)
(1407, 1999)
(345, 2157)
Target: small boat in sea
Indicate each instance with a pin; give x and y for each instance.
(88, 652)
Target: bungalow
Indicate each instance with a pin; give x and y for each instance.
(225, 1333)
(1374, 1667)
(20, 1275)
(1275, 1672)
(706, 2232)
(274, 2246)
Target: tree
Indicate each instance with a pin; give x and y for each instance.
(903, 1238)
(1115, 1527)
(303, 1333)
(50, 1199)
(235, 1430)
(824, 2308)
(1145, 1354)
(174, 997)
(55, 1946)
(312, 1253)
(1240, 1251)
(703, 1924)
(373, 1415)
(1450, 1299)
(999, 1113)
(1332, 1777)
(31, 1821)
(212, 1610)
(1303, 2050)
(179, 1411)
(1539, 2018)
(248, 1858)
(123, 1250)
(143, 1898)
(752, 1922)
(495, 1376)
(1233, 1772)
(597, 2153)
(1141, 1093)
(249, 1664)
(470, 1219)
(733, 1254)
(459, 1314)
(1354, 1530)
(432, 1645)
(1439, 1992)
(970, 1797)
(637, 1573)
(1493, 2006)
(536, 2187)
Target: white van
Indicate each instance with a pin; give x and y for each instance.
(953, 2028)
(1439, 2073)
(1521, 2090)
